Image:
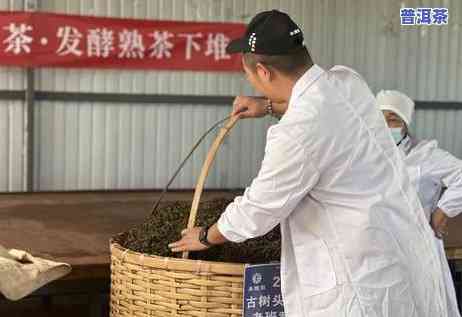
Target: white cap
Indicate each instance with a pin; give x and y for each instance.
(397, 102)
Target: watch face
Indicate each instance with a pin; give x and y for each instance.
(203, 236)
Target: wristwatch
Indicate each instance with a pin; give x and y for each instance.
(203, 237)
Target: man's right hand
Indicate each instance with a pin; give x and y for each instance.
(249, 107)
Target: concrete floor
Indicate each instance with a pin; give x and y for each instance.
(64, 306)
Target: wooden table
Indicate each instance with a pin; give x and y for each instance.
(75, 228)
(453, 241)
(453, 244)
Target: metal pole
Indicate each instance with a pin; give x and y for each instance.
(29, 131)
(29, 5)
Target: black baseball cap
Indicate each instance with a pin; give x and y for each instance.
(269, 33)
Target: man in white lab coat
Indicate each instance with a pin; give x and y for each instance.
(355, 241)
(431, 169)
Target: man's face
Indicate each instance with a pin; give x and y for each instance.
(264, 81)
(393, 120)
(253, 78)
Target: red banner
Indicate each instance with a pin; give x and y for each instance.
(56, 40)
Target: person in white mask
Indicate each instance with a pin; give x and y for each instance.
(435, 173)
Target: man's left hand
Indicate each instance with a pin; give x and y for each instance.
(439, 223)
(189, 241)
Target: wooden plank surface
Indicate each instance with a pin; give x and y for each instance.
(76, 227)
(453, 242)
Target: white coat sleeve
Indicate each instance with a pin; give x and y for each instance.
(449, 170)
(287, 174)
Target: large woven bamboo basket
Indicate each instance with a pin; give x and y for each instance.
(145, 285)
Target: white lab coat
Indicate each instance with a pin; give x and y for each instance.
(431, 169)
(355, 241)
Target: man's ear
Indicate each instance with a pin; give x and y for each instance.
(263, 72)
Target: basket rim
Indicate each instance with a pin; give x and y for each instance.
(168, 263)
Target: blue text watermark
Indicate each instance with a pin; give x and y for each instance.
(424, 16)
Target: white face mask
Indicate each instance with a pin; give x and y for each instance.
(397, 134)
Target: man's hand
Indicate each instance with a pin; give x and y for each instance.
(439, 223)
(249, 107)
(189, 241)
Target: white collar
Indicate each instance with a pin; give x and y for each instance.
(304, 82)
(407, 144)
